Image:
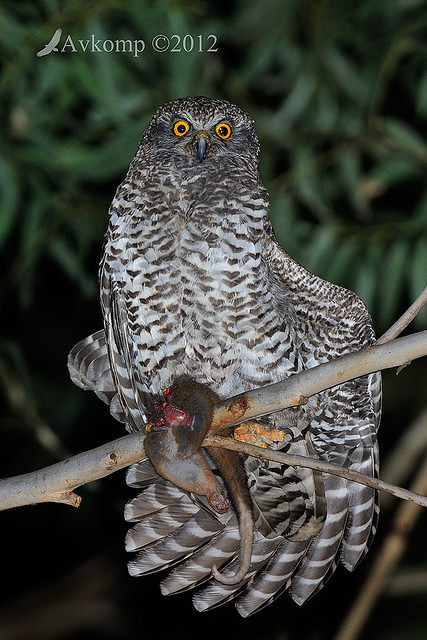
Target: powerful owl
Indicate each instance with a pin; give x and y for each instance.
(201, 303)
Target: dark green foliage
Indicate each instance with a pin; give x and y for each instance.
(338, 90)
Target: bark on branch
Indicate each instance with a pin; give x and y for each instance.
(57, 482)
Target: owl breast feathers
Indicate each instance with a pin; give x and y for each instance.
(194, 283)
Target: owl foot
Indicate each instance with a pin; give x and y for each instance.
(257, 434)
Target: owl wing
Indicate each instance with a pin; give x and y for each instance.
(332, 321)
(105, 366)
(89, 367)
(119, 318)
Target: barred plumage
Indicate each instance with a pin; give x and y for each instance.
(193, 282)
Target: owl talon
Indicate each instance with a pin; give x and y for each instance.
(259, 435)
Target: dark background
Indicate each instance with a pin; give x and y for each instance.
(339, 94)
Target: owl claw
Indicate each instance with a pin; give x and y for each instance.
(258, 434)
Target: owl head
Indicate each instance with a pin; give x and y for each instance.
(200, 131)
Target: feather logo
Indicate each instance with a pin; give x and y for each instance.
(51, 45)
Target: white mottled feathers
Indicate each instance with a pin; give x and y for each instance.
(194, 282)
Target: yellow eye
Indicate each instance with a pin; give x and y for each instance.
(180, 128)
(223, 130)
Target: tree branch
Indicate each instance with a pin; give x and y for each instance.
(296, 389)
(317, 465)
(57, 482)
(405, 319)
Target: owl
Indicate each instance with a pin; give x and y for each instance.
(193, 283)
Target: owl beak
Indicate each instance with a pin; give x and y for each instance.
(201, 144)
